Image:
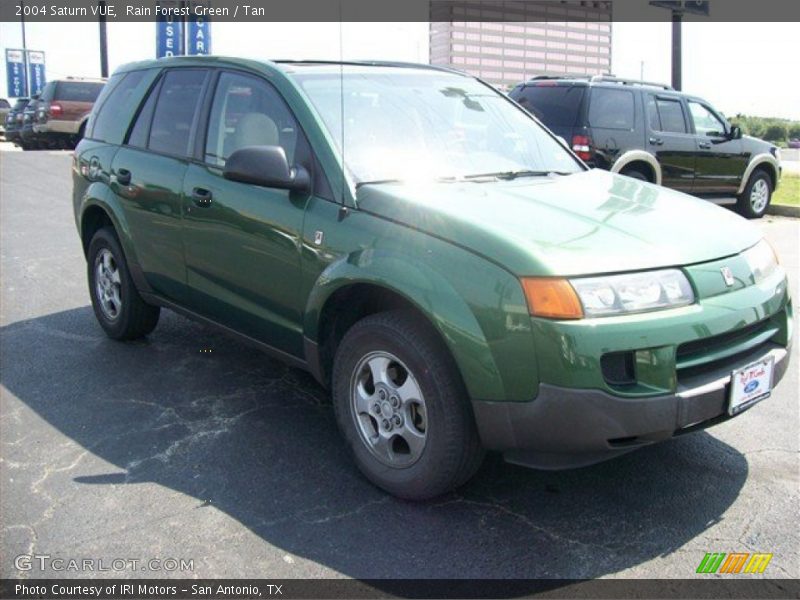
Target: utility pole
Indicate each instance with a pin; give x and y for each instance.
(103, 40)
(677, 60)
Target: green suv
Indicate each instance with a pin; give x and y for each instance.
(458, 278)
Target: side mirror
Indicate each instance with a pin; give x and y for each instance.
(735, 133)
(266, 166)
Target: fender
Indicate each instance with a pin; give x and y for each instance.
(98, 194)
(446, 309)
(637, 155)
(757, 161)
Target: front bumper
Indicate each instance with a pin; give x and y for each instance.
(569, 427)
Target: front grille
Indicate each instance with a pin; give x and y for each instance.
(699, 356)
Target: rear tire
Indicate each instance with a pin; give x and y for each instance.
(410, 427)
(754, 201)
(119, 308)
(635, 174)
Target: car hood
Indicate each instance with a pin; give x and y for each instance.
(587, 223)
(756, 145)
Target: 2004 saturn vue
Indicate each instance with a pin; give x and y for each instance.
(422, 245)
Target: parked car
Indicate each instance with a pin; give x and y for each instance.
(794, 143)
(63, 110)
(13, 121)
(28, 138)
(5, 107)
(654, 133)
(457, 278)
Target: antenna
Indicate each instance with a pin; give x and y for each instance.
(343, 209)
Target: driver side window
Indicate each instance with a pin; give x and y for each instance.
(248, 112)
(705, 122)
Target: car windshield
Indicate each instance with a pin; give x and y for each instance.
(407, 124)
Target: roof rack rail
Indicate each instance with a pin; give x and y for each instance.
(557, 77)
(369, 63)
(623, 81)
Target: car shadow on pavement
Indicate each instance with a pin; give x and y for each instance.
(197, 412)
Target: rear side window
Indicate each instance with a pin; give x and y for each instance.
(78, 91)
(611, 109)
(670, 116)
(553, 105)
(117, 103)
(175, 111)
(141, 129)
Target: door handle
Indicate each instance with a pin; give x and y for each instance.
(123, 176)
(656, 141)
(704, 145)
(201, 197)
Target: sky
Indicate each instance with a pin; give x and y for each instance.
(749, 68)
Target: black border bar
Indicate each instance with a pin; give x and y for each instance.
(206, 589)
(406, 10)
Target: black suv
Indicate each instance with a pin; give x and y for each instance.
(13, 123)
(652, 132)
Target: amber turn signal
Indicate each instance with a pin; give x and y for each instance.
(552, 298)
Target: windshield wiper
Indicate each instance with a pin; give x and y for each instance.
(509, 175)
(361, 184)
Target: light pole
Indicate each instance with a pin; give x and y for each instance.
(103, 39)
(24, 48)
(677, 54)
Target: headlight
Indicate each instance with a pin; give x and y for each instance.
(762, 260)
(631, 293)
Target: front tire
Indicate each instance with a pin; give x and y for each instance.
(757, 195)
(119, 308)
(402, 407)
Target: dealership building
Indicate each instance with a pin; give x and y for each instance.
(508, 42)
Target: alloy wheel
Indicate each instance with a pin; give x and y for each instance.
(108, 284)
(389, 409)
(759, 196)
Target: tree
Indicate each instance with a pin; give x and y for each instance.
(775, 132)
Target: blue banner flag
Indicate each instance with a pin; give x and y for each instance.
(198, 39)
(17, 79)
(36, 71)
(169, 32)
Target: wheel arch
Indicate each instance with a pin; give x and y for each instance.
(97, 211)
(638, 157)
(766, 162)
(346, 292)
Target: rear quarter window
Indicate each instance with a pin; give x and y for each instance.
(553, 105)
(612, 109)
(117, 104)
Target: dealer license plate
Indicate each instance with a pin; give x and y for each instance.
(751, 384)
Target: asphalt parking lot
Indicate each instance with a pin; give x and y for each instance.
(189, 445)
